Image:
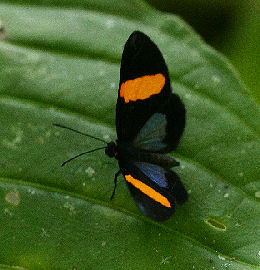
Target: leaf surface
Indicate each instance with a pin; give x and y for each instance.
(60, 63)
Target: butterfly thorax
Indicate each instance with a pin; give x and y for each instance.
(128, 153)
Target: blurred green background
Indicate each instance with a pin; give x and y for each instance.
(231, 27)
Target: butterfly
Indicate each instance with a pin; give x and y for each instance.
(150, 120)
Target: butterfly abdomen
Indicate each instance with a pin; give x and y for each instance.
(128, 153)
(159, 159)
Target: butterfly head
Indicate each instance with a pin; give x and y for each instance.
(111, 149)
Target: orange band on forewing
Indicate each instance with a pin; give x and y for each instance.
(142, 87)
(148, 191)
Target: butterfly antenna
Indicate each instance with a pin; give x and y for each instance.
(79, 132)
(81, 154)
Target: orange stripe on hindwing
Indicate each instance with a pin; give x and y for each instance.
(142, 87)
(150, 192)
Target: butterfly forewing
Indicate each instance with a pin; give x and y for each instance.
(144, 90)
(144, 85)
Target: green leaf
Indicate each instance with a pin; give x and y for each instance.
(61, 64)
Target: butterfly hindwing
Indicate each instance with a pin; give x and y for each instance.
(156, 190)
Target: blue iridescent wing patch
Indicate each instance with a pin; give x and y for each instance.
(154, 172)
(151, 136)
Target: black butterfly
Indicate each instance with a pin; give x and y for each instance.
(150, 120)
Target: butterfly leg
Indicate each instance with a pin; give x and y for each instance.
(115, 184)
